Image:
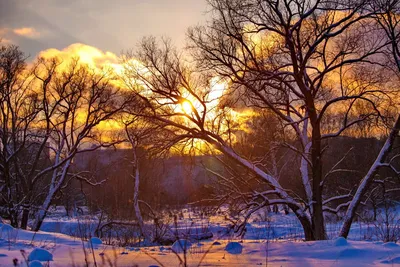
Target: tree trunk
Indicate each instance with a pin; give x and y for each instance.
(364, 185)
(41, 214)
(317, 213)
(136, 194)
(14, 219)
(305, 223)
(53, 190)
(317, 209)
(25, 218)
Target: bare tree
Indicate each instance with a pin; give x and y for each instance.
(301, 60)
(20, 107)
(138, 131)
(75, 102)
(284, 55)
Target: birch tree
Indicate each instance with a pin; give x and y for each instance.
(137, 132)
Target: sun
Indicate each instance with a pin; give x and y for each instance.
(186, 107)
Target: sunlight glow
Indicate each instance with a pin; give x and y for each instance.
(186, 107)
(121, 68)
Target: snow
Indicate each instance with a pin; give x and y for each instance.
(253, 252)
(40, 254)
(395, 260)
(390, 245)
(6, 230)
(234, 248)
(340, 241)
(278, 240)
(181, 245)
(96, 241)
(35, 263)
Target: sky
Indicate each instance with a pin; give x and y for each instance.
(114, 26)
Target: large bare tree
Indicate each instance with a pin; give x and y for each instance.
(302, 60)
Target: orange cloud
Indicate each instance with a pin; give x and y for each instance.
(87, 54)
(5, 41)
(27, 32)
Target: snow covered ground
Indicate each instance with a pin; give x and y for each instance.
(276, 242)
(68, 251)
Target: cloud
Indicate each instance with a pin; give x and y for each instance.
(27, 32)
(87, 54)
(5, 40)
(98, 60)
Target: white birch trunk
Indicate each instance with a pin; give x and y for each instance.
(54, 188)
(305, 175)
(138, 213)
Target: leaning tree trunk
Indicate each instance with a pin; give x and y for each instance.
(306, 222)
(42, 213)
(366, 181)
(53, 190)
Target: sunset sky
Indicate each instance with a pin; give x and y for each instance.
(108, 25)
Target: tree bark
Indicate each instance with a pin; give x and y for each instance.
(305, 223)
(317, 209)
(25, 218)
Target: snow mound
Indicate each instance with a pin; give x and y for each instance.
(390, 245)
(6, 229)
(341, 241)
(181, 245)
(40, 254)
(353, 253)
(96, 241)
(395, 260)
(234, 248)
(35, 263)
